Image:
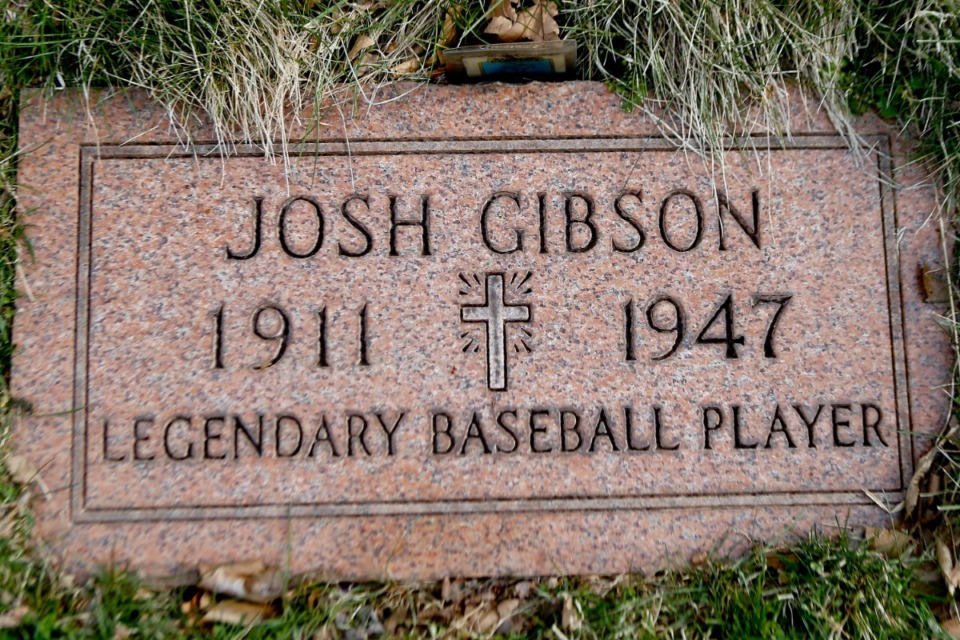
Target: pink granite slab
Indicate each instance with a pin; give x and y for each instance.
(487, 393)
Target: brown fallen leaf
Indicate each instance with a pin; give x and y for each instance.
(934, 284)
(936, 481)
(945, 562)
(449, 32)
(503, 9)
(396, 620)
(448, 36)
(506, 608)
(8, 523)
(523, 589)
(500, 26)
(913, 490)
(370, 7)
(362, 43)
(955, 576)
(487, 623)
(890, 542)
(252, 581)
(67, 581)
(326, 632)
(236, 612)
(570, 617)
(144, 594)
(408, 66)
(21, 469)
(13, 618)
(535, 23)
(446, 590)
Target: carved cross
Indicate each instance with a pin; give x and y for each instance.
(496, 313)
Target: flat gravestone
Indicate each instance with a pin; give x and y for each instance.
(473, 331)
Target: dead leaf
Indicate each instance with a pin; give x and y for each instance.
(506, 608)
(954, 578)
(368, 60)
(13, 618)
(448, 36)
(503, 9)
(570, 617)
(362, 42)
(913, 490)
(934, 284)
(446, 590)
(68, 581)
(326, 632)
(370, 7)
(535, 23)
(449, 31)
(945, 561)
(21, 469)
(523, 589)
(889, 542)
(236, 612)
(936, 480)
(952, 627)
(396, 619)
(699, 559)
(488, 622)
(445, 615)
(408, 66)
(9, 523)
(252, 581)
(499, 26)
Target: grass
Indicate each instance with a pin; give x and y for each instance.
(910, 71)
(707, 61)
(818, 588)
(718, 66)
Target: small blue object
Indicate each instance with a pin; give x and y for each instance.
(516, 67)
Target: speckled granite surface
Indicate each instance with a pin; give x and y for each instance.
(506, 389)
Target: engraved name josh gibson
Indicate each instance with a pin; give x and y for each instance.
(496, 312)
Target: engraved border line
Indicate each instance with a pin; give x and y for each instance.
(449, 507)
(387, 147)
